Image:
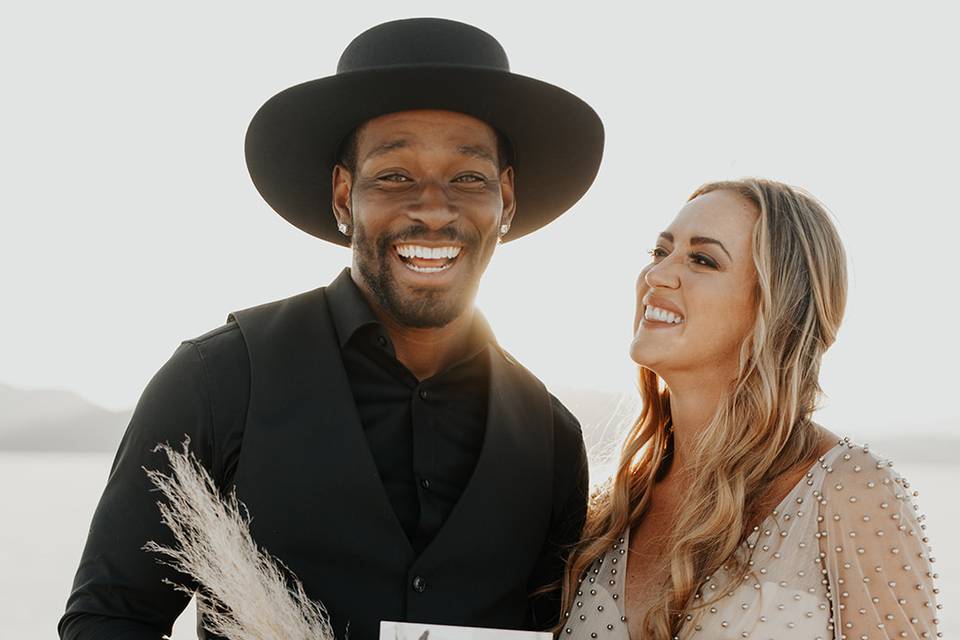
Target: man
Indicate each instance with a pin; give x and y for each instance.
(389, 452)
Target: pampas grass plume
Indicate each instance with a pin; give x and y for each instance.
(244, 593)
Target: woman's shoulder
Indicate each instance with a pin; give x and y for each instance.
(845, 478)
(859, 463)
(873, 544)
(856, 480)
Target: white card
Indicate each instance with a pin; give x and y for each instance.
(427, 631)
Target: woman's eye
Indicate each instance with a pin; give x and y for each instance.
(703, 260)
(658, 252)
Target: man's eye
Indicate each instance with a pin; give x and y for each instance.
(469, 178)
(394, 177)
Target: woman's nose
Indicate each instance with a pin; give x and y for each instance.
(661, 274)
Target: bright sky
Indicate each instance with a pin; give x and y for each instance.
(129, 222)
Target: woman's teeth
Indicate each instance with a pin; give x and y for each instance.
(661, 315)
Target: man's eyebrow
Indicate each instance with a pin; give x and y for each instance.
(666, 235)
(477, 151)
(387, 147)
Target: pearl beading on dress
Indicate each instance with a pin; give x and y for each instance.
(844, 556)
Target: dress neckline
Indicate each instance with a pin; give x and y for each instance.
(820, 462)
(823, 461)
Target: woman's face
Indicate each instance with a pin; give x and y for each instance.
(695, 300)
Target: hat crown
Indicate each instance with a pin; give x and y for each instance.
(423, 42)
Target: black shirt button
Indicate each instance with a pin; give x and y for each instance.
(425, 483)
(423, 394)
(419, 584)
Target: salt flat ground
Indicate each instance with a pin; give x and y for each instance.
(47, 501)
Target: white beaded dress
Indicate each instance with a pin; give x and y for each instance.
(844, 556)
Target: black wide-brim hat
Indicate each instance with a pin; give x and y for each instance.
(423, 63)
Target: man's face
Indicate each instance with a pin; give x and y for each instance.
(425, 202)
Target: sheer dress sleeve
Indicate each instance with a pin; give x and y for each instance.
(875, 554)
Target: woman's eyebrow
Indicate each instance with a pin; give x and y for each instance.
(666, 235)
(705, 240)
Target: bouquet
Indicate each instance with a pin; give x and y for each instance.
(243, 593)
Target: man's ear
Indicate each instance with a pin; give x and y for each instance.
(507, 195)
(342, 188)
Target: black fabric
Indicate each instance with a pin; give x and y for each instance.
(423, 42)
(423, 63)
(266, 403)
(425, 436)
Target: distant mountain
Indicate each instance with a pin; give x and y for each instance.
(54, 420)
(606, 417)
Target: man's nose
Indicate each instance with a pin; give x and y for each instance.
(433, 207)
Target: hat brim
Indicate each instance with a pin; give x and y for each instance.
(292, 140)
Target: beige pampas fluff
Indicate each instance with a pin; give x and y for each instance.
(244, 593)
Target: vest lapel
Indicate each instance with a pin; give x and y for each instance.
(316, 500)
(511, 487)
(305, 469)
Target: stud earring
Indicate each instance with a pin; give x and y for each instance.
(503, 229)
(344, 228)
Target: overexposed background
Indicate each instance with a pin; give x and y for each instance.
(129, 221)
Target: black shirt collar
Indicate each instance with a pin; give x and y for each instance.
(351, 313)
(348, 308)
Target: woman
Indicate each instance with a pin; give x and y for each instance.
(732, 514)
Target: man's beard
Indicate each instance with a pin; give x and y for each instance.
(425, 307)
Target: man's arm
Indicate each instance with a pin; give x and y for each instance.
(571, 483)
(119, 591)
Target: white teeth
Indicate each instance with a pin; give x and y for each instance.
(414, 267)
(661, 315)
(430, 253)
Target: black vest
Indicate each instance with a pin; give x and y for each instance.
(310, 484)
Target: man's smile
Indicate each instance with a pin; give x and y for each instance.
(425, 259)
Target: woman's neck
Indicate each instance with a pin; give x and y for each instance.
(693, 403)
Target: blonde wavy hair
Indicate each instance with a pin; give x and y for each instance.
(762, 427)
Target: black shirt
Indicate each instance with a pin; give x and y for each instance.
(203, 392)
(425, 436)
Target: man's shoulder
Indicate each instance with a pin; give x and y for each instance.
(226, 334)
(229, 335)
(563, 418)
(223, 344)
(273, 306)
